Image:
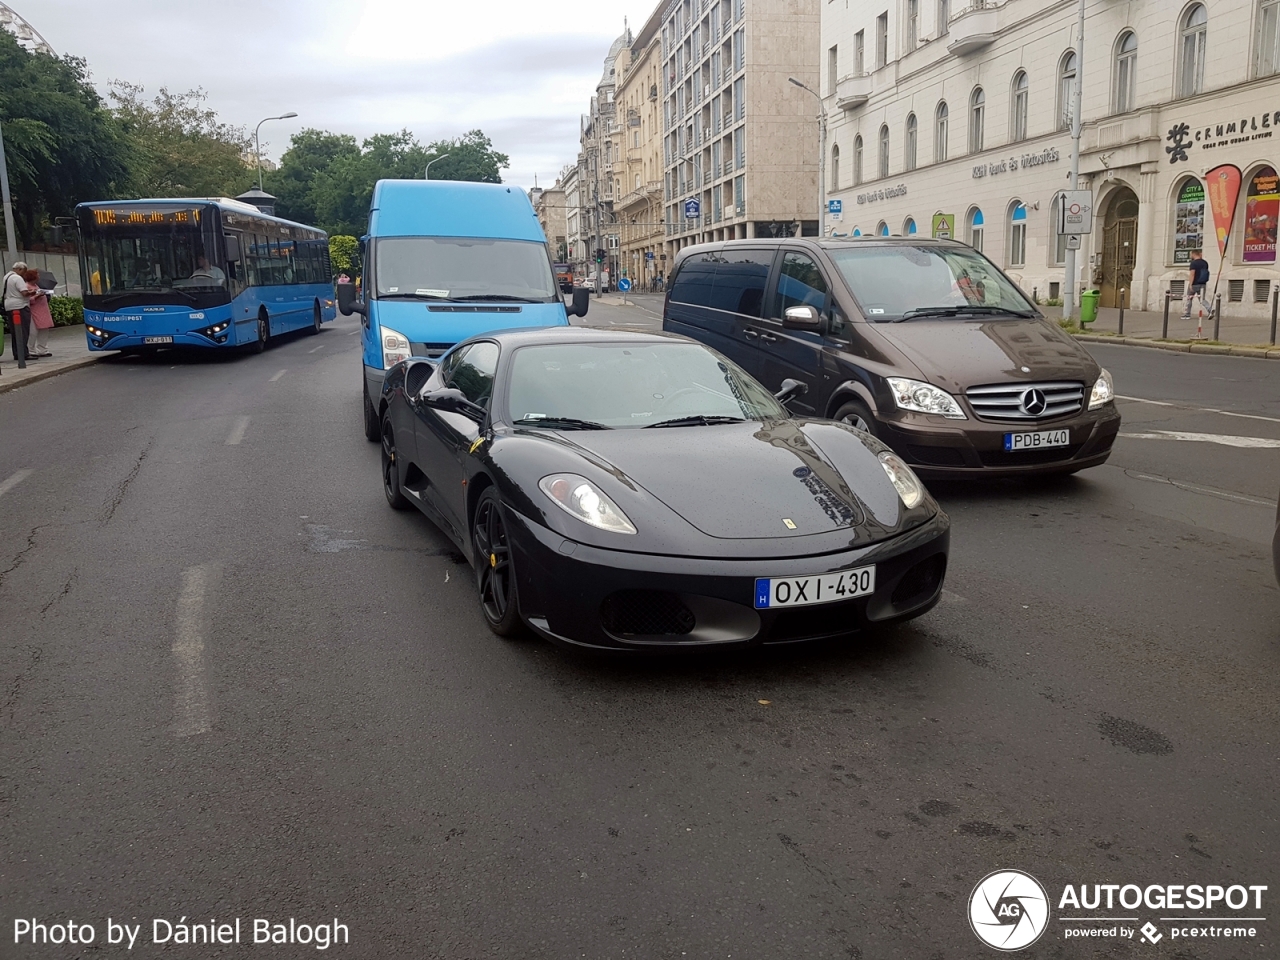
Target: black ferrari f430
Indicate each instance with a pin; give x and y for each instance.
(636, 491)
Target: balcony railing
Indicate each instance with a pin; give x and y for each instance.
(853, 91)
(973, 28)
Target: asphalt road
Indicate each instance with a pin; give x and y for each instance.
(234, 683)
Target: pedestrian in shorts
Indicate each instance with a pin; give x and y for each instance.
(1197, 280)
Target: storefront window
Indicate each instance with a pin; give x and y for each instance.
(909, 227)
(1261, 212)
(1018, 235)
(975, 228)
(883, 229)
(1188, 220)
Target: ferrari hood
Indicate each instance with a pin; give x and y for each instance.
(755, 480)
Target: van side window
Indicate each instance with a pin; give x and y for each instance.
(694, 281)
(741, 277)
(801, 282)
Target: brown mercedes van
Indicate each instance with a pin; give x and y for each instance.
(924, 343)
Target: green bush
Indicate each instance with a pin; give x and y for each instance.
(66, 310)
(344, 254)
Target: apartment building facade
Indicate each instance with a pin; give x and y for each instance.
(549, 207)
(957, 122)
(739, 140)
(600, 139)
(638, 172)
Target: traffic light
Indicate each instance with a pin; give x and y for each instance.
(599, 255)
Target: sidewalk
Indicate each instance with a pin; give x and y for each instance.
(1236, 335)
(69, 349)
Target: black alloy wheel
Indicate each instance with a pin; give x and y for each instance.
(372, 426)
(315, 319)
(391, 469)
(264, 333)
(495, 577)
(856, 415)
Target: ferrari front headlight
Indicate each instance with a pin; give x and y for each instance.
(579, 497)
(903, 479)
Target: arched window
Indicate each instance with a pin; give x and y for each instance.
(857, 232)
(835, 167)
(977, 119)
(1018, 120)
(1066, 88)
(909, 143)
(1017, 234)
(883, 229)
(857, 159)
(974, 228)
(909, 227)
(1195, 28)
(1268, 60)
(940, 132)
(1122, 100)
(884, 150)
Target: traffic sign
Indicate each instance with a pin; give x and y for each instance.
(648, 254)
(835, 207)
(692, 208)
(1075, 212)
(624, 284)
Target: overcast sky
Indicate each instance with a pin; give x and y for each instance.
(520, 71)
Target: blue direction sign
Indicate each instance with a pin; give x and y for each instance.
(835, 206)
(624, 284)
(692, 208)
(648, 254)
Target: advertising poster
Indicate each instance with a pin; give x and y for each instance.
(1223, 186)
(1261, 211)
(1188, 221)
(944, 226)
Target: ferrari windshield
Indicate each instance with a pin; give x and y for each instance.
(632, 385)
(902, 281)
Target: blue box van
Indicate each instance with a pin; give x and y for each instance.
(445, 260)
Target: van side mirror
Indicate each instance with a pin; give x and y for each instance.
(791, 389)
(348, 302)
(802, 317)
(581, 301)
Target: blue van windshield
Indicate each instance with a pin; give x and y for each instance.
(463, 268)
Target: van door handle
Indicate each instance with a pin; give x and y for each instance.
(768, 338)
(751, 334)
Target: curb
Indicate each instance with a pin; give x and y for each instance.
(13, 383)
(1219, 349)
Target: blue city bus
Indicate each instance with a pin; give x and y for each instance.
(445, 260)
(212, 273)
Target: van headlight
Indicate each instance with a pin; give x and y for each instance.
(903, 479)
(395, 347)
(1103, 391)
(924, 398)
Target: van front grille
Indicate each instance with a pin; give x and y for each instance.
(1026, 401)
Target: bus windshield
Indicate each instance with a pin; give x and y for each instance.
(463, 268)
(164, 256)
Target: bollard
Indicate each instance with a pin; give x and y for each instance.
(1217, 314)
(1164, 326)
(1123, 294)
(1275, 306)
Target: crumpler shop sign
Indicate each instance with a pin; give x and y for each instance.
(1183, 138)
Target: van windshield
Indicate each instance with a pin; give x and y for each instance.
(463, 268)
(903, 281)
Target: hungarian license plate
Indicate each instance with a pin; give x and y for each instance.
(1037, 441)
(805, 591)
(157, 339)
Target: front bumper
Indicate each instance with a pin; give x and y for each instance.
(585, 596)
(936, 447)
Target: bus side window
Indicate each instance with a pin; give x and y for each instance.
(313, 261)
(326, 265)
(249, 247)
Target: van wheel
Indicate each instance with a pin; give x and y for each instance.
(372, 428)
(856, 415)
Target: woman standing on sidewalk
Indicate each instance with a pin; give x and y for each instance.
(41, 317)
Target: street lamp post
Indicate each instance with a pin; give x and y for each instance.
(430, 162)
(1073, 178)
(822, 158)
(257, 149)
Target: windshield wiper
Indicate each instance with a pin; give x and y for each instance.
(561, 423)
(955, 311)
(414, 296)
(697, 420)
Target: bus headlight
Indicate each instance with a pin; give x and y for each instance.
(395, 347)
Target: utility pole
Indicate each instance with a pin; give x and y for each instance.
(9, 235)
(1073, 178)
(822, 158)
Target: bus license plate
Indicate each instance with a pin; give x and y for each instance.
(1036, 441)
(805, 591)
(157, 339)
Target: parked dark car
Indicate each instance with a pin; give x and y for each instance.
(635, 491)
(923, 343)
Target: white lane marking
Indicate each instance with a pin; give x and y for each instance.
(237, 432)
(1207, 491)
(352, 333)
(1256, 443)
(190, 693)
(313, 350)
(1225, 413)
(278, 375)
(13, 480)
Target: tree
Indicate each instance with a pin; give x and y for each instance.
(181, 148)
(61, 143)
(344, 254)
(308, 160)
(470, 157)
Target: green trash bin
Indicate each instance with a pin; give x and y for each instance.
(1089, 306)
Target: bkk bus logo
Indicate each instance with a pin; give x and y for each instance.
(1008, 910)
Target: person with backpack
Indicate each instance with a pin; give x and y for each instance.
(1197, 281)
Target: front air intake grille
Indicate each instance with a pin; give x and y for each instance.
(646, 613)
(920, 582)
(1026, 401)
